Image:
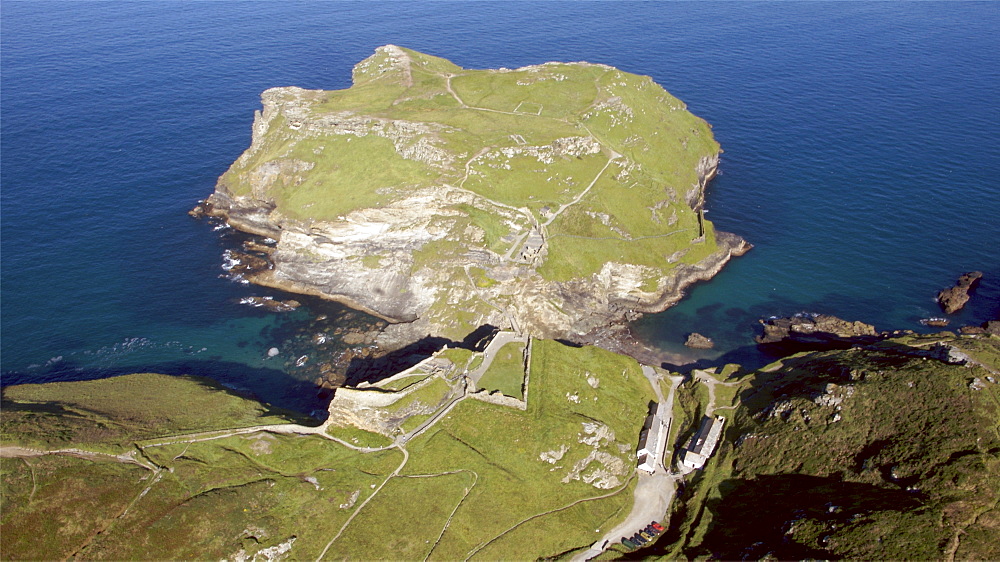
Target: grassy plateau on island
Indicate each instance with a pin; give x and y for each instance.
(443, 175)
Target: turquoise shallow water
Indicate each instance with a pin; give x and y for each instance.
(861, 159)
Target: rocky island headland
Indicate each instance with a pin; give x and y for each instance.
(556, 199)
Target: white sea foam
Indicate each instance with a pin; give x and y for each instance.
(229, 261)
(255, 301)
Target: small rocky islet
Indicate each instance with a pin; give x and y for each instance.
(954, 298)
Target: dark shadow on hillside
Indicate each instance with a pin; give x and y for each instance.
(811, 380)
(283, 392)
(748, 357)
(777, 501)
(479, 338)
(752, 518)
(50, 408)
(372, 370)
(375, 369)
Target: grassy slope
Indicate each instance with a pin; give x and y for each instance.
(93, 413)
(211, 496)
(912, 462)
(52, 505)
(503, 445)
(249, 492)
(222, 493)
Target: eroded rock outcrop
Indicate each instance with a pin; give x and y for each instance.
(954, 298)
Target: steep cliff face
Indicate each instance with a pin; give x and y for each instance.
(554, 198)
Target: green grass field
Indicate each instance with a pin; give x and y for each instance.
(93, 414)
(506, 373)
(503, 445)
(472, 485)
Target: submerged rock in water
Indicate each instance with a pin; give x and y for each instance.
(698, 341)
(355, 338)
(954, 298)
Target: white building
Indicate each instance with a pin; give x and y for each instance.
(703, 443)
(652, 440)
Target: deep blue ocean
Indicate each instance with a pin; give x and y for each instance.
(862, 159)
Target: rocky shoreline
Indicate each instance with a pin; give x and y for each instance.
(823, 331)
(605, 326)
(592, 307)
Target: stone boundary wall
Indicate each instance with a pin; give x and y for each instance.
(374, 397)
(527, 371)
(498, 398)
(404, 373)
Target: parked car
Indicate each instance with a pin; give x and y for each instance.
(646, 536)
(638, 539)
(629, 544)
(657, 526)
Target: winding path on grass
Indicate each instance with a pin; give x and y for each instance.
(447, 523)
(483, 545)
(9, 451)
(710, 382)
(563, 207)
(611, 158)
(406, 457)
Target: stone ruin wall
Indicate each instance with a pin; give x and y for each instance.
(498, 398)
